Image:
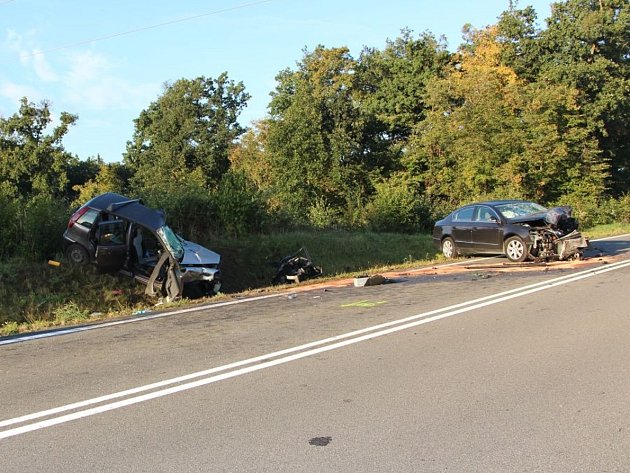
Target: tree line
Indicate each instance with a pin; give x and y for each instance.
(389, 140)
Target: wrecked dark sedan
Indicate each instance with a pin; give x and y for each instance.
(121, 234)
(518, 229)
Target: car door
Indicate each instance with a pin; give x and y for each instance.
(111, 244)
(462, 222)
(485, 235)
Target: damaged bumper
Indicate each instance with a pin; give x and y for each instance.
(571, 246)
(551, 245)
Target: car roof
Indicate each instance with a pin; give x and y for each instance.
(129, 209)
(499, 202)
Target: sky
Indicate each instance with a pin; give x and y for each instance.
(107, 61)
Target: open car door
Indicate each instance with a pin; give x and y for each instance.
(111, 245)
(168, 275)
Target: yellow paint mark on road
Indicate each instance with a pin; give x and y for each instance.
(364, 304)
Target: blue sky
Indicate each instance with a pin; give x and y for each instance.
(77, 53)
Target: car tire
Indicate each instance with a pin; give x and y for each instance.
(515, 249)
(77, 255)
(449, 250)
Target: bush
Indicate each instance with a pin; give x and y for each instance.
(239, 206)
(592, 211)
(44, 221)
(190, 211)
(397, 207)
(9, 240)
(33, 227)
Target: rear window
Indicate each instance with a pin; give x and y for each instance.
(88, 218)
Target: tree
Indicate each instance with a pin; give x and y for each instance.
(33, 162)
(586, 47)
(111, 177)
(314, 136)
(183, 138)
(391, 85)
(491, 134)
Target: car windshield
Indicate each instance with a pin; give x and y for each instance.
(174, 244)
(519, 209)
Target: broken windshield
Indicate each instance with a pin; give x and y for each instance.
(171, 240)
(520, 209)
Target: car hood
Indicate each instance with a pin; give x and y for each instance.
(195, 254)
(538, 217)
(555, 217)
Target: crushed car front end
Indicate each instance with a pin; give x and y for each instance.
(554, 234)
(200, 268)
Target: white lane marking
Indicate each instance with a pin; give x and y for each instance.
(286, 351)
(84, 328)
(150, 316)
(424, 319)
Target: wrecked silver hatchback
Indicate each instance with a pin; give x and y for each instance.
(121, 234)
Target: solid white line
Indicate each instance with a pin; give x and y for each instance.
(149, 316)
(287, 351)
(202, 382)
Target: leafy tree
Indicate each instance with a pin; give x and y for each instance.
(111, 177)
(586, 46)
(491, 134)
(183, 138)
(314, 136)
(391, 85)
(33, 162)
(519, 38)
(249, 155)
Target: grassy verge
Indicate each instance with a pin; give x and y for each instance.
(35, 295)
(602, 231)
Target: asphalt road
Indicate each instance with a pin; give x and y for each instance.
(476, 370)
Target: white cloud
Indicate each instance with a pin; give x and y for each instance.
(30, 55)
(91, 81)
(14, 92)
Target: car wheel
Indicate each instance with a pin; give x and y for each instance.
(448, 248)
(77, 255)
(516, 249)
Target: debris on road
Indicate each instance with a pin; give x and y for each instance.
(375, 280)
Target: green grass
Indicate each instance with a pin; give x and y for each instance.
(602, 231)
(249, 263)
(35, 295)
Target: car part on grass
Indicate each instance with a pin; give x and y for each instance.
(296, 268)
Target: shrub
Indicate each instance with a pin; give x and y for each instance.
(44, 220)
(396, 207)
(239, 206)
(8, 226)
(70, 312)
(190, 211)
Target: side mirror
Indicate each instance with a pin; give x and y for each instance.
(495, 219)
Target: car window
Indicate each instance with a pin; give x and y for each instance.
(111, 233)
(485, 214)
(87, 219)
(464, 215)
